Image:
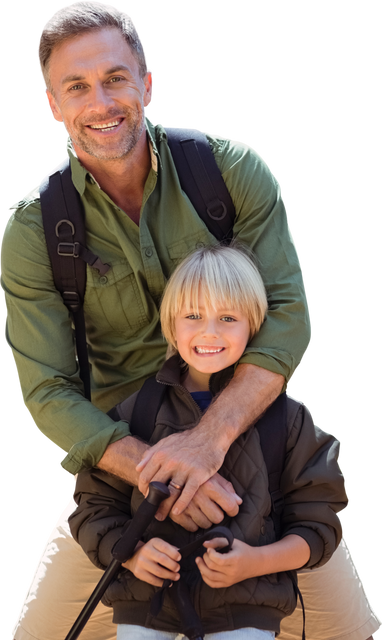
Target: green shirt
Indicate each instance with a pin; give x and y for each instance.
(121, 308)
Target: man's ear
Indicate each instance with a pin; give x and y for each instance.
(148, 81)
(53, 105)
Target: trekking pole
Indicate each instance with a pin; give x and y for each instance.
(122, 551)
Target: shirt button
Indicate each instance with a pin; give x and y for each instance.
(262, 530)
(199, 245)
(103, 279)
(149, 253)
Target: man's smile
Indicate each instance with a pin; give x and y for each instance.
(109, 126)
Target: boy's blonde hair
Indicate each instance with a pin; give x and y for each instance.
(227, 275)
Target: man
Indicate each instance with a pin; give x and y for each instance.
(138, 221)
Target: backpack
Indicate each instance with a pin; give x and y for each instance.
(65, 233)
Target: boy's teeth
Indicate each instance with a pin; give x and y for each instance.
(203, 350)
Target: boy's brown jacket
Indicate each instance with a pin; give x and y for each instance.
(313, 489)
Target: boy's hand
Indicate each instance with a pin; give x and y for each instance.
(224, 569)
(155, 562)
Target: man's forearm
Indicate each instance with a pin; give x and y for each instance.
(192, 457)
(121, 458)
(244, 400)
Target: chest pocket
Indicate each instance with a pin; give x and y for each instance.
(177, 251)
(113, 301)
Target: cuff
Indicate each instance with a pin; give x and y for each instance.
(314, 541)
(272, 360)
(86, 454)
(106, 545)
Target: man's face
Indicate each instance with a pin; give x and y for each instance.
(98, 93)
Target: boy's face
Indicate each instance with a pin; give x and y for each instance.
(210, 340)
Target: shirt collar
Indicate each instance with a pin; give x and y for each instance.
(80, 174)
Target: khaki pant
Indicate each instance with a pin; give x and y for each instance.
(335, 603)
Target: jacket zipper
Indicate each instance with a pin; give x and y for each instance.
(185, 391)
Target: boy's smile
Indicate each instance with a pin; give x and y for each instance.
(209, 340)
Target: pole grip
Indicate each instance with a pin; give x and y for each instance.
(124, 547)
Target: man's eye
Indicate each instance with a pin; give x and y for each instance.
(76, 87)
(115, 79)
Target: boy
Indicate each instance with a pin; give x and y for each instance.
(214, 303)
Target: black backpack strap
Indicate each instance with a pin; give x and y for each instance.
(273, 432)
(64, 227)
(146, 407)
(200, 178)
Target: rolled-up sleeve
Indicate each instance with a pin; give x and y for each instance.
(40, 334)
(261, 224)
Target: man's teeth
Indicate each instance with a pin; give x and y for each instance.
(110, 125)
(204, 350)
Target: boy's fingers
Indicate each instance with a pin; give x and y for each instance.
(209, 576)
(167, 549)
(215, 543)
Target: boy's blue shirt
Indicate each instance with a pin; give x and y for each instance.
(202, 399)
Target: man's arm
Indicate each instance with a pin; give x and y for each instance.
(275, 351)
(121, 458)
(192, 457)
(39, 331)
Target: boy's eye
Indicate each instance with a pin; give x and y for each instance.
(193, 316)
(228, 319)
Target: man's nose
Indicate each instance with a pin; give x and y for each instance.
(99, 99)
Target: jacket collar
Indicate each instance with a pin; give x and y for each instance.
(171, 373)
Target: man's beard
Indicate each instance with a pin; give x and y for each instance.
(106, 150)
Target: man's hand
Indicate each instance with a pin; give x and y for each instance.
(187, 459)
(190, 458)
(212, 501)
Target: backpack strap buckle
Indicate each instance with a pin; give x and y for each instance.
(69, 249)
(277, 501)
(217, 210)
(72, 300)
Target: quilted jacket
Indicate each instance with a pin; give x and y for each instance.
(313, 489)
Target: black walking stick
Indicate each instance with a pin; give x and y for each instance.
(122, 551)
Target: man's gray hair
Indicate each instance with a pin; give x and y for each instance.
(82, 17)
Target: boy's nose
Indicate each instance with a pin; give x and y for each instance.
(210, 328)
